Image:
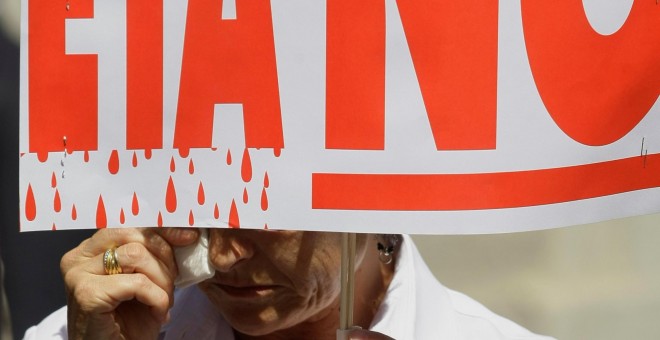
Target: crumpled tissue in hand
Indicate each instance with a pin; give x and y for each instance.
(193, 262)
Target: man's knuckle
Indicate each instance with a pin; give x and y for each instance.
(135, 252)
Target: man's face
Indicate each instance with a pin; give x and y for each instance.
(271, 280)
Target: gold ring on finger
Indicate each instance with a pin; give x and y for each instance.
(110, 263)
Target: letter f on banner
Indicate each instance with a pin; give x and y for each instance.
(63, 89)
(225, 62)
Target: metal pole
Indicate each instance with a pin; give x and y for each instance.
(348, 244)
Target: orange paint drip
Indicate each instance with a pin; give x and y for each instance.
(172, 165)
(113, 162)
(160, 219)
(53, 180)
(266, 180)
(246, 166)
(57, 203)
(264, 200)
(277, 152)
(122, 217)
(233, 216)
(216, 211)
(228, 157)
(245, 196)
(191, 167)
(147, 153)
(74, 213)
(101, 219)
(201, 198)
(86, 156)
(266, 226)
(30, 205)
(135, 160)
(53, 227)
(191, 218)
(184, 152)
(135, 205)
(42, 156)
(170, 196)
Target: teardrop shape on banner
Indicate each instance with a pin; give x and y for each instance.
(266, 180)
(172, 164)
(201, 198)
(264, 200)
(216, 211)
(53, 180)
(277, 152)
(228, 157)
(113, 162)
(160, 219)
(122, 217)
(42, 156)
(57, 203)
(74, 213)
(30, 205)
(246, 166)
(191, 167)
(245, 196)
(184, 152)
(170, 196)
(86, 156)
(135, 205)
(147, 153)
(135, 160)
(234, 221)
(191, 218)
(101, 219)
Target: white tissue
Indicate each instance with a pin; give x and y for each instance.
(193, 262)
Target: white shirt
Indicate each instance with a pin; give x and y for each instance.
(416, 306)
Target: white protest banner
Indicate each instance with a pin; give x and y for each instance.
(402, 116)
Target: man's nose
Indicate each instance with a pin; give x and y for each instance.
(228, 248)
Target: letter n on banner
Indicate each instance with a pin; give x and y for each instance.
(229, 61)
(453, 45)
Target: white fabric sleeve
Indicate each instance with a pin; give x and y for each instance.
(53, 327)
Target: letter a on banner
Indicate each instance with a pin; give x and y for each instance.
(229, 61)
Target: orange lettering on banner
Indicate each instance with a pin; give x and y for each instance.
(483, 191)
(453, 45)
(454, 49)
(355, 75)
(144, 97)
(63, 89)
(229, 61)
(596, 87)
